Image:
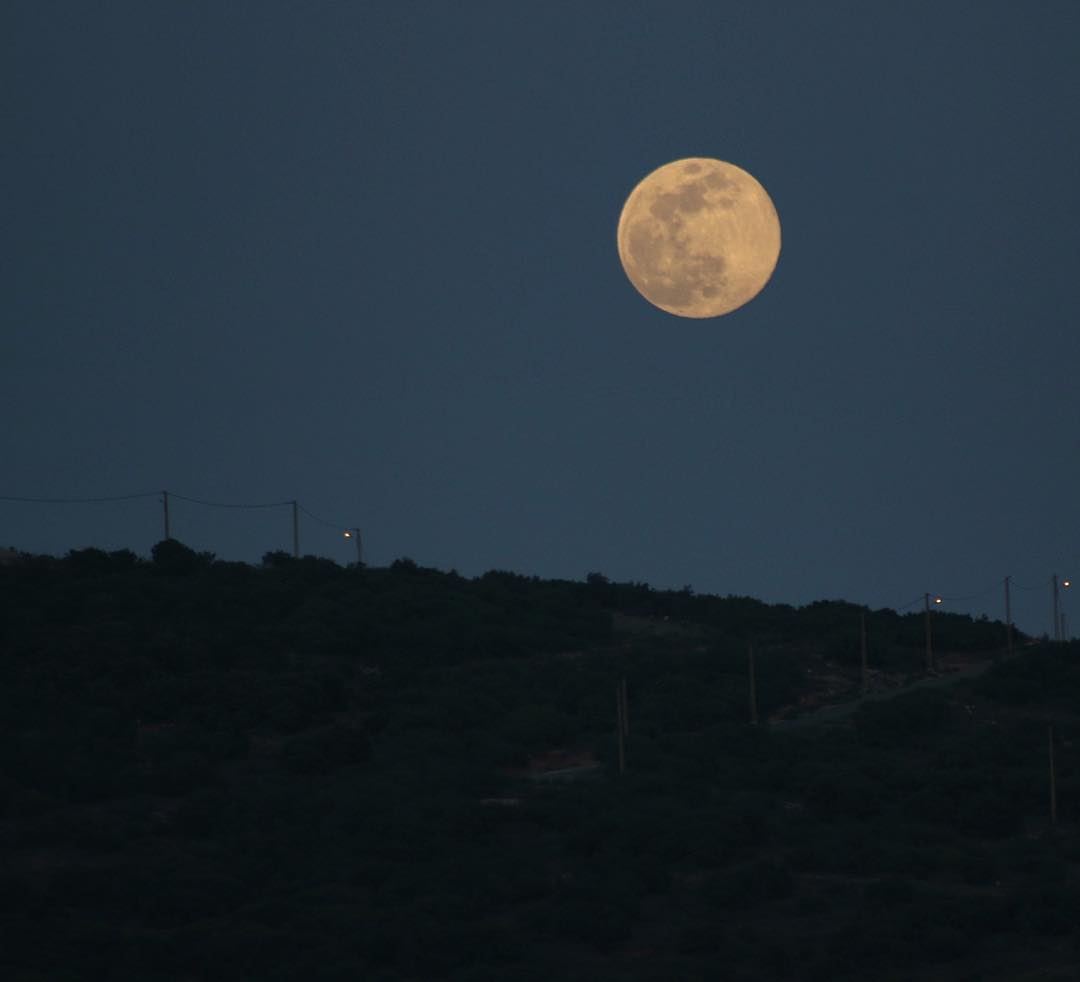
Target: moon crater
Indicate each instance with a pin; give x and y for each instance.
(699, 237)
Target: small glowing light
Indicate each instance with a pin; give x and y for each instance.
(348, 534)
(937, 600)
(1067, 583)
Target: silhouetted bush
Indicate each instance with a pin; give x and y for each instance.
(97, 562)
(174, 558)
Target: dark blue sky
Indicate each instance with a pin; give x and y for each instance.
(363, 255)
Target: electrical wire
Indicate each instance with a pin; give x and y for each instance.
(178, 497)
(322, 521)
(79, 501)
(907, 605)
(223, 504)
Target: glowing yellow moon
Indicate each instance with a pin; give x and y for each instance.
(699, 237)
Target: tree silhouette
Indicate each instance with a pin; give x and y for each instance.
(173, 557)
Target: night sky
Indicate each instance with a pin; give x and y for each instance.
(363, 255)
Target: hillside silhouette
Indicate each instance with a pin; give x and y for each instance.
(212, 770)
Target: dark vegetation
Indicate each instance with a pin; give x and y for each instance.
(215, 771)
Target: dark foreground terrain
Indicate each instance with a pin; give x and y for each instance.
(216, 771)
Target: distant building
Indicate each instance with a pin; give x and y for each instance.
(8, 556)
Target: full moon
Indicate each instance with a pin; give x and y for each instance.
(699, 237)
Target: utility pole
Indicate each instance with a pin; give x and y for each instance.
(354, 534)
(753, 683)
(1053, 780)
(1008, 620)
(620, 722)
(862, 652)
(624, 706)
(1057, 609)
(295, 530)
(165, 505)
(929, 636)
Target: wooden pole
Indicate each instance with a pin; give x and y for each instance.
(295, 530)
(862, 653)
(1008, 620)
(619, 727)
(753, 683)
(1053, 779)
(165, 506)
(929, 636)
(625, 707)
(1057, 618)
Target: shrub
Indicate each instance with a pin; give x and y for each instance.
(176, 559)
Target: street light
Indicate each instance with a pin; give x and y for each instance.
(929, 632)
(355, 535)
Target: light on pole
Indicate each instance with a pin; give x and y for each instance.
(1055, 619)
(929, 632)
(354, 534)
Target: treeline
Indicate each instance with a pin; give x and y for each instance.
(832, 624)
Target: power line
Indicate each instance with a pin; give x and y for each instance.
(224, 504)
(165, 495)
(917, 600)
(322, 521)
(154, 494)
(80, 501)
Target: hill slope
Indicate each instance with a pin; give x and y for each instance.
(217, 771)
